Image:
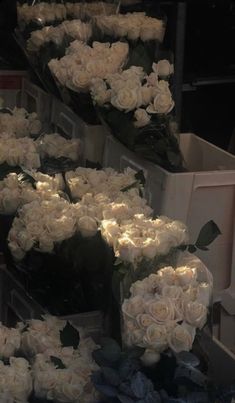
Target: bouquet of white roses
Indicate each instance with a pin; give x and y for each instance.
(19, 123)
(16, 382)
(16, 152)
(92, 181)
(80, 65)
(16, 190)
(131, 26)
(138, 108)
(166, 308)
(95, 7)
(64, 33)
(142, 238)
(38, 14)
(10, 341)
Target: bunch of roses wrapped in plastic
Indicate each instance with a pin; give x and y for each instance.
(60, 35)
(23, 145)
(57, 363)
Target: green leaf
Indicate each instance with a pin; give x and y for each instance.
(133, 185)
(209, 232)
(111, 376)
(57, 362)
(140, 177)
(111, 350)
(192, 248)
(69, 336)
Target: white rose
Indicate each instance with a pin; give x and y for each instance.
(133, 31)
(195, 313)
(125, 100)
(154, 283)
(140, 288)
(133, 306)
(69, 391)
(185, 276)
(162, 310)
(81, 81)
(25, 240)
(110, 231)
(44, 381)
(60, 229)
(46, 244)
(152, 80)
(172, 291)
(163, 103)
(166, 276)
(14, 156)
(146, 95)
(156, 337)
(144, 320)
(141, 118)
(87, 226)
(16, 251)
(102, 97)
(163, 68)
(150, 357)
(137, 337)
(120, 28)
(181, 338)
(10, 201)
(128, 250)
(148, 32)
(204, 294)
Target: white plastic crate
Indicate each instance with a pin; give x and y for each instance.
(224, 327)
(206, 192)
(65, 120)
(10, 87)
(94, 137)
(34, 99)
(17, 305)
(221, 360)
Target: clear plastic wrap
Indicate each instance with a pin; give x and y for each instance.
(167, 308)
(34, 15)
(136, 26)
(92, 8)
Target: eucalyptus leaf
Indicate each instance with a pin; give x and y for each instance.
(126, 370)
(188, 359)
(209, 232)
(125, 389)
(111, 376)
(57, 362)
(110, 349)
(69, 336)
(125, 399)
(139, 385)
(190, 374)
(106, 390)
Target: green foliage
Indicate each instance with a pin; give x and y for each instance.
(69, 336)
(57, 362)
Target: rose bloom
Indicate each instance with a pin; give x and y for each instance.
(156, 337)
(181, 337)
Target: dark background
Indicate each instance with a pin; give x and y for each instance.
(207, 52)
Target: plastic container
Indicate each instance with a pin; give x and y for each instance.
(94, 137)
(205, 192)
(221, 360)
(17, 305)
(64, 120)
(34, 99)
(10, 87)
